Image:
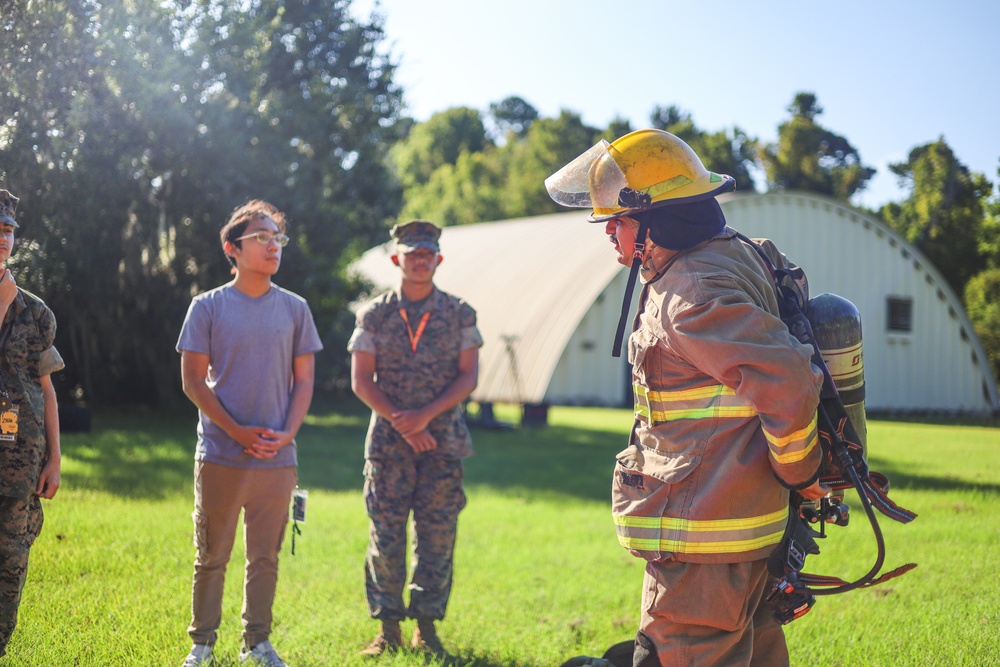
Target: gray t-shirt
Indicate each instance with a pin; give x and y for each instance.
(251, 343)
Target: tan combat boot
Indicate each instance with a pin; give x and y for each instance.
(426, 639)
(388, 640)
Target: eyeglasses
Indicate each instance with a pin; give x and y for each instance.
(264, 238)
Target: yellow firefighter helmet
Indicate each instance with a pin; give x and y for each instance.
(642, 170)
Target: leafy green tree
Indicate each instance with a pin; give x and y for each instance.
(133, 129)
(618, 127)
(733, 153)
(810, 157)
(491, 182)
(989, 233)
(982, 303)
(469, 191)
(943, 215)
(982, 292)
(549, 144)
(512, 115)
(438, 141)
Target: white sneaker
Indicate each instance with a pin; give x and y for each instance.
(200, 656)
(262, 655)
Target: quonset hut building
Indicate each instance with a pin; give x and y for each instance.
(548, 293)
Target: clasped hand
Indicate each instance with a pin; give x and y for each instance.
(260, 442)
(412, 425)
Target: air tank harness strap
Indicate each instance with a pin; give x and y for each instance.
(875, 484)
(876, 487)
(820, 580)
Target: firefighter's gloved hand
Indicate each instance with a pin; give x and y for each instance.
(814, 492)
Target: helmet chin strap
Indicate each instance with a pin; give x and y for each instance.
(637, 252)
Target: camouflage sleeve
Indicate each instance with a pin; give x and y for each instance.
(466, 315)
(50, 361)
(365, 327)
(361, 341)
(471, 338)
(470, 332)
(46, 322)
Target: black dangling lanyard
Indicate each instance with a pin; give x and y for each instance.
(295, 531)
(640, 245)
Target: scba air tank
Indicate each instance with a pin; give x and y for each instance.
(836, 324)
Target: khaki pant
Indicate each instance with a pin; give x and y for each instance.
(220, 492)
(708, 615)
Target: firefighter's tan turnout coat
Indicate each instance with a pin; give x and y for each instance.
(725, 402)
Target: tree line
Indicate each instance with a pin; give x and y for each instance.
(131, 130)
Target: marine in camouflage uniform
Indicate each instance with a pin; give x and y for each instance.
(29, 448)
(414, 360)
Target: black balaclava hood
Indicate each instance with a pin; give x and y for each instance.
(683, 226)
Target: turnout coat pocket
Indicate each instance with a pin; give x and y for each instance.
(644, 482)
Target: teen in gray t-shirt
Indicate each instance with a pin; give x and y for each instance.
(248, 364)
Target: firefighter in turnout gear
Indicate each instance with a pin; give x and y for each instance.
(725, 404)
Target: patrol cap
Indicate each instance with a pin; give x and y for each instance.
(416, 234)
(8, 204)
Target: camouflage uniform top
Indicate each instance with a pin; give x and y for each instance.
(27, 355)
(411, 379)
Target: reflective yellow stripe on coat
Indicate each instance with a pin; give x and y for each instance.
(719, 402)
(685, 536)
(711, 402)
(794, 447)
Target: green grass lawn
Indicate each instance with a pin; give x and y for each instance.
(539, 574)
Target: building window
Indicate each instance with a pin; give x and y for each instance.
(900, 314)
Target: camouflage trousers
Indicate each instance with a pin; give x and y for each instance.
(20, 524)
(431, 487)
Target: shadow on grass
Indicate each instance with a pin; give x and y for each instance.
(558, 460)
(150, 455)
(900, 479)
(138, 454)
(147, 454)
(472, 659)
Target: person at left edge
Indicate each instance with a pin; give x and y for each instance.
(247, 362)
(29, 423)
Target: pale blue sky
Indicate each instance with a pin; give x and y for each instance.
(890, 75)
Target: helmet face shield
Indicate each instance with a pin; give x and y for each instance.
(593, 180)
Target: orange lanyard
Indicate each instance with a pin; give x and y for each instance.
(415, 337)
